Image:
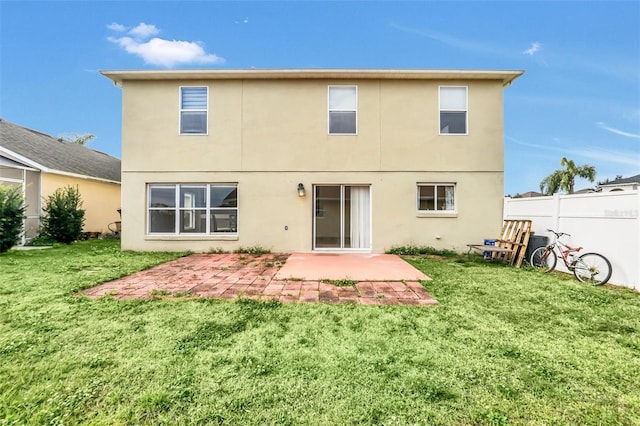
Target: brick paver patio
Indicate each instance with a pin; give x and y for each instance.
(232, 276)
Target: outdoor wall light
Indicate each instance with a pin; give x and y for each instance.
(300, 190)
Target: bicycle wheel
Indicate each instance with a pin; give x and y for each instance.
(543, 259)
(592, 268)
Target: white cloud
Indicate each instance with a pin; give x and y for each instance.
(449, 40)
(114, 26)
(143, 31)
(158, 51)
(618, 157)
(618, 131)
(167, 53)
(535, 48)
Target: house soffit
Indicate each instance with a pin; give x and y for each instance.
(506, 77)
(12, 159)
(8, 162)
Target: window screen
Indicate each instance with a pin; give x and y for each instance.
(453, 110)
(193, 110)
(343, 106)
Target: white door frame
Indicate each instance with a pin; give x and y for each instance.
(341, 248)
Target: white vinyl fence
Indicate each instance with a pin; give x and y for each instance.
(607, 223)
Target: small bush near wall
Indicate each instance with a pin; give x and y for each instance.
(63, 215)
(12, 210)
(420, 250)
(40, 240)
(254, 250)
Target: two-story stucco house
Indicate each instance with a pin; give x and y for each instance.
(311, 160)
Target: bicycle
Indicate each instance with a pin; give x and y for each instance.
(592, 268)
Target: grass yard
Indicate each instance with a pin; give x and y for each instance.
(504, 346)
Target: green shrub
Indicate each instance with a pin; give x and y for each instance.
(412, 250)
(254, 250)
(63, 215)
(40, 240)
(12, 210)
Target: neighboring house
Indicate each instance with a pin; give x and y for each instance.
(311, 160)
(41, 164)
(529, 194)
(622, 184)
(584, 191)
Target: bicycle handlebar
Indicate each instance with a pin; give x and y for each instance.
(559, 234)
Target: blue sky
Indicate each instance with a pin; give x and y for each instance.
(579, 97)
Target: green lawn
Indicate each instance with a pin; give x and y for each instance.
(504, 346)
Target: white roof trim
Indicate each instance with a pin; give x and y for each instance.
(631, 182)
(5, 161)
(39, 167)
(22, 159)
(79, 176)
(506, 76)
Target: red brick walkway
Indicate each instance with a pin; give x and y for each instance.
(232, 276)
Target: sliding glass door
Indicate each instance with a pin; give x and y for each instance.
(342, 217)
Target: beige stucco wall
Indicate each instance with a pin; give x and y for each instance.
(99, 199)
(280, 125)
(268, 202)
(268, 135)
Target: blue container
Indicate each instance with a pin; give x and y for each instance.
(487, 254)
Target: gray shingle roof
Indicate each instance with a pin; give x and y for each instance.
(622, 181)
(56, 154)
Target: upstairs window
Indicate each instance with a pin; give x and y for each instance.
(343, 110)
(439, 197)
(453, 110)
(193, 110)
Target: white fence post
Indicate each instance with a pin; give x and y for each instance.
(556, 212)
(637, 283)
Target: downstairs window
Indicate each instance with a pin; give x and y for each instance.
(436, 197)
(192, 209)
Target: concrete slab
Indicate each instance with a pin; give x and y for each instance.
(351, 266)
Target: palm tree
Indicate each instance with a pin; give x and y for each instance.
(565, 179)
